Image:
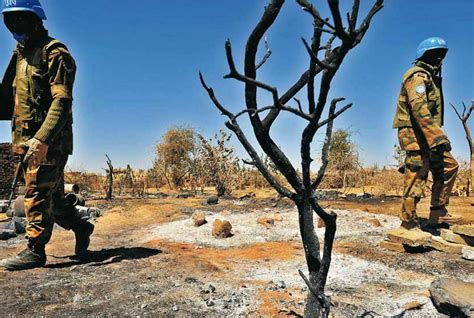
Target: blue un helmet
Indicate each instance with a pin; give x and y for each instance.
(430, 44)
(24, 5)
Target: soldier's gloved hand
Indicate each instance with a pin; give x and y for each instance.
(37, 151)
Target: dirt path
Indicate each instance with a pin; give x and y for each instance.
(149, 260)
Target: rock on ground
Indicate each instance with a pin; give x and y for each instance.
(453, 297)
(222, 229)
(199, 218)
(213, 200)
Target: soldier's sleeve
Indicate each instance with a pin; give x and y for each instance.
(62, 70)
(417, 97)
(6, 90)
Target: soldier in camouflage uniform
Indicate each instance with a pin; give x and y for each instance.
(36, 95)
(419, 120)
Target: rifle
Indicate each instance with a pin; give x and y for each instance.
(19, 169)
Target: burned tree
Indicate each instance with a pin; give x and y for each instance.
(302, 190)
(464, 117)
(110, 179)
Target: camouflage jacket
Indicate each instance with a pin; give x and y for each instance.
(420, 109)
(36, 94)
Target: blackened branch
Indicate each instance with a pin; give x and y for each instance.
(234, 126)
(327, 144)
(315, 59)
(330, 220)
(461, 118)
(311, 9)
(292, 110)
(334, 116)
(354, 16)
(378, 5)
(299, 103)
(213, 97)
(336, 15)
(248, 80)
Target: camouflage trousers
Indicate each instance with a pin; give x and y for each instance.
(44, 200)
(418, 164)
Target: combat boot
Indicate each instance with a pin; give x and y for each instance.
(410, 225)
(439, 215)
(83, 233)
(33, 256)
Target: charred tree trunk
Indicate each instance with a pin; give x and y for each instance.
(302, 188)
(110, 179)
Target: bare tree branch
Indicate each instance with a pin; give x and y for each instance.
(461, 118)
(297, 112)
(311, 9)
(216, 102)
(233, 126)
(336, 15)
(378, 5)
(334, 116)
(327, 144)
(268, 53)
(299, 103)
(320, 63)
(354, 15)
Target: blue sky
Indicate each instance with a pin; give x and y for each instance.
(138, 66)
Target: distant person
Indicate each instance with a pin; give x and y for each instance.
(36, 95)
(419, 119)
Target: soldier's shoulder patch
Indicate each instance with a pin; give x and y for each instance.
(420, 89)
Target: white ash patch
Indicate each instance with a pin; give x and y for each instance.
(247, 231)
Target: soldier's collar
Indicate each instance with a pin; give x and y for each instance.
(430, 68)
(38, 41)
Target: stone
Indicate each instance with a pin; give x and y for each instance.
(467, 230)
(222, 229)
(442, 245)
(394, 247)
(452, 237)
(468, 253)
(413, 238)
(199, 218)
(412, 305)
(375, 222)
(277, 217)
(213, 200)
(454, 298)
(266, 222)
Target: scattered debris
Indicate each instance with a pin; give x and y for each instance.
(222, 229)
(328, 195)
(453, 297)
(185, 195)
(248, 196)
